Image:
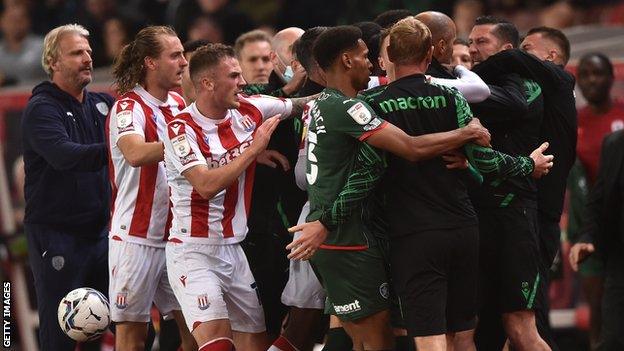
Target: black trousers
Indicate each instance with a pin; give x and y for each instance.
(62, 262)
(549, 245)
(612, 332)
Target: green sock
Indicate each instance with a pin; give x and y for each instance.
(337, 340)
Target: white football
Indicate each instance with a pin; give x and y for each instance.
(83, 314)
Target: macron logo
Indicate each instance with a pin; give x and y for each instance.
(348, 308)
(176, 128)
(123, 105)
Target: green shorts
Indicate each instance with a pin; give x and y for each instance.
(592, 267)
(356, 282)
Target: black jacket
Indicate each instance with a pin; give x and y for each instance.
(65, 159)
(436, 69)
(513, 113)
(604, 214)
(559, 124)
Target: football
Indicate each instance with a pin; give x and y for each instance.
(83, 314)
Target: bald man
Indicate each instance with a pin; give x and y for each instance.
(443, 33)
(291, 78)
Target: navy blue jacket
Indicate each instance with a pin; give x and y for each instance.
(65, 159)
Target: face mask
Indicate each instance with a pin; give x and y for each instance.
(288, 74)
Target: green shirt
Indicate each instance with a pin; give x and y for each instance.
(341, 168)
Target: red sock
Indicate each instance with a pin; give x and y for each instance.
(282, 344)
(220, 344)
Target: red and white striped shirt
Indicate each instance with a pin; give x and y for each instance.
(140, 202)
(196, 140)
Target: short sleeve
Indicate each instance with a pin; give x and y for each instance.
(270, 106)
(181, 148)
(127, 117)
(359, 120)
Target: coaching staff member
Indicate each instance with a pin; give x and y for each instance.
(66, 189)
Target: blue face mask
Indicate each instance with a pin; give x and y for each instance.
(288, 74)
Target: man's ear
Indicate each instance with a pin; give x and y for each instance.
(207, 83)
(149, 63)
(273, 57)
(441, 47)
(345, 59)
(507, 46)
(53, 64)
(553, 55)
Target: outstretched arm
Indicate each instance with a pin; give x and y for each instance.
(422, 147)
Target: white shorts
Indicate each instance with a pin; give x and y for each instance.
(138, 277)
(214, 282)
(303, 288)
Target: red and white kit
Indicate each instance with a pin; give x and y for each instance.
(140, 210)
(209, 272)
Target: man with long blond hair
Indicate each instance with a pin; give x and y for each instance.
(146, 71)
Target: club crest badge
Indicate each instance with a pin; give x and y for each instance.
(248, 124)
(202, 302)
(120, 301)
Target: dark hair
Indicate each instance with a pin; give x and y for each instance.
(370, 34)
(128, 68)
(388, 18)
(461, 41)
(600, 56)
(191, 46)
(303, 47)
(503, 30)
(557, 37)
(333, 42)
(208, 56)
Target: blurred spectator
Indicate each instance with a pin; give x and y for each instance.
(93, 16)
(117, 33)
(601, 116)
(254, 54)
(461, 53)
(465, 12)
(370, 34)
(232, 21)
(20, 50)
(388, 18)
(18, 184)
(205, 27)
(558, 15)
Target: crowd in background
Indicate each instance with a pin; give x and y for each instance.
(113, 23)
